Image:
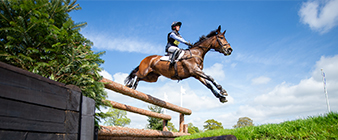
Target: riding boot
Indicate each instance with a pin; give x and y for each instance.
(174, 56)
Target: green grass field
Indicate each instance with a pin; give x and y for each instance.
(318, 128)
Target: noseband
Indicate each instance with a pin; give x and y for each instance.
(222, 48)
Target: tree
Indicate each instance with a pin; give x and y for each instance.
(156, 123)
(116, 117)
(211, 124)
(171, 127)
(39, 36)
(192, 129)
(243, 121)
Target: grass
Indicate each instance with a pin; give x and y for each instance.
(319, 127)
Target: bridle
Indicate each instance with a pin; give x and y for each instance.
(221, 49)
(219, 42)
(223, 46)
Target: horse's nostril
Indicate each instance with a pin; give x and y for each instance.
(229, 50)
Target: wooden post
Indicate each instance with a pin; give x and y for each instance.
(181, 122)
(165, 123)
(185, 128)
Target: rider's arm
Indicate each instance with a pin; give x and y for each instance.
(180, 39)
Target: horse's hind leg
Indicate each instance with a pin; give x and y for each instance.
(142, 75)
(151, 77)
(143, 72)
(132, 78)
(135, 83)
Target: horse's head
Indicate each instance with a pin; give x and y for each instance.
(221, 44)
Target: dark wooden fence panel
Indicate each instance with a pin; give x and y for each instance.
(37, 108)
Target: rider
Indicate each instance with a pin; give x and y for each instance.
(174, 38)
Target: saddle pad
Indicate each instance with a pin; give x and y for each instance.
(167, 57)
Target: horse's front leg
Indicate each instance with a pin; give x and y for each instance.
(218, 86)
(208, 85)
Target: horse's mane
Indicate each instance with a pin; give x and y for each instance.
(203, 37)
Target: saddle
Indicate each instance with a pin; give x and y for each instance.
(168, 56)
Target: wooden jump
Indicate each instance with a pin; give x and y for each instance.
(106, 132)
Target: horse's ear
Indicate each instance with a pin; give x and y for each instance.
(224, 32)
(219, 29)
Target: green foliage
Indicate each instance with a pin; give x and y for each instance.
(116, 117)
(171, 127)
(243, 121)
(192, 129)
(156, 123)
(39, 36)
(320, 127)
(211, 124)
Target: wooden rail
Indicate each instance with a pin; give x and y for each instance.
(144, 97)
(130, 133)
(139, 110)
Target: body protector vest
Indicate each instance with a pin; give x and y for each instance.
(171, 41)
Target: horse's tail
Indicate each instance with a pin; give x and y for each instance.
(130, 79)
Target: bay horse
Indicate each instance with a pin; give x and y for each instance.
(190, 65)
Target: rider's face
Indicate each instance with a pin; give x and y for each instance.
(177, 28)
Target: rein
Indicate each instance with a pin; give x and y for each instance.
(221, 49)
(192, 56)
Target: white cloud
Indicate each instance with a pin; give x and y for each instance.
(119, 77)
(288, 102)
(329, 66)
(190, 99)
(106, 75)
(260, 80)
(137, 120)
(123, 44)
(321, 16)
(301, 100)
(216, 71)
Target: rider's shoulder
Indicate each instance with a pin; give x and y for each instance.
(173, 32)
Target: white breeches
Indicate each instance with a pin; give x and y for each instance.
(172, 49)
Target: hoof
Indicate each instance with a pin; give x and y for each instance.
(223, 92)
(223, 99)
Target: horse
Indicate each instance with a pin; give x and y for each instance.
(190, 65)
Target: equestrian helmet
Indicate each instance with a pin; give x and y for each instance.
(175, 23)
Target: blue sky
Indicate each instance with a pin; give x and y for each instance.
(273, 74)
